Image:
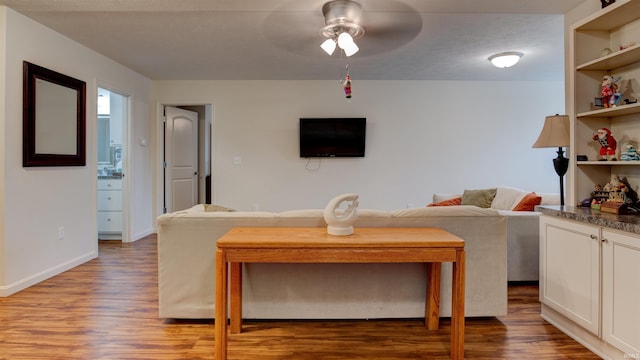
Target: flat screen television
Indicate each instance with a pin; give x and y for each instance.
(332, 137)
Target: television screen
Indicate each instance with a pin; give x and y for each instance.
(332, 137)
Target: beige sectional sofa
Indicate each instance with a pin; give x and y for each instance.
(186, 266)
(522, 230)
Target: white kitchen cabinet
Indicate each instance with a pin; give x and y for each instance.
(110, 208)
(621, 290)
(570, 270)
(590, 284)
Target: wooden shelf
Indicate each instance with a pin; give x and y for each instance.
(620, 110)
(614, 60)
(613, 16)
(608, 163)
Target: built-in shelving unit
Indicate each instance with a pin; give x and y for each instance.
(609, 28)
(585, 259)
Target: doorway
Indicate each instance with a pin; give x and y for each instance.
(112, 121)
(187, 154)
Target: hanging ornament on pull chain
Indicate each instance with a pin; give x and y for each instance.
(346, 84)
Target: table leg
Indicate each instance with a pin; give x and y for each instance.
(221, 306)
(235, 279)
(432, 304)
(457, 306)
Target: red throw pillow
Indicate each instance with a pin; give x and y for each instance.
(528, 202)
(449, 202)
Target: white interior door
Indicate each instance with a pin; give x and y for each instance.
(181, 158)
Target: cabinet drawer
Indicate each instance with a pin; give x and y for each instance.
(110, 200)
(109, 221)
(109, 184)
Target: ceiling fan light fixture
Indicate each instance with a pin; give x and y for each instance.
(341, 19)
(505, 59)
(345, 40)
(350, 49)
(329, 46)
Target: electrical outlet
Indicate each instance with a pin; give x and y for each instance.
(61, 233)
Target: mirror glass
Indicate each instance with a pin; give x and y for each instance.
(55, 119)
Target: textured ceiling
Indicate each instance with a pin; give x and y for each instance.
(279, 39)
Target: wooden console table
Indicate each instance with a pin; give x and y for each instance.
(313, 245)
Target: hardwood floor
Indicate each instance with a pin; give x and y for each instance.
(107, 309)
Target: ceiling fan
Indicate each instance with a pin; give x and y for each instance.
(378, 25)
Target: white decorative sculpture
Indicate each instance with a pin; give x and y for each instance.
(341, 225)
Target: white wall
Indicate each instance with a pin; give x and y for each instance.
(34, 202)
(422, 137)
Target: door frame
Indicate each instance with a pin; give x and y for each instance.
(205, 148)
(126, 157)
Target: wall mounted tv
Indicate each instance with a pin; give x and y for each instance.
(332, 137)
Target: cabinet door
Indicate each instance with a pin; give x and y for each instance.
(570, 270)
(621, 291)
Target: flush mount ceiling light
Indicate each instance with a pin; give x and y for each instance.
(505, 59)
(342, 19)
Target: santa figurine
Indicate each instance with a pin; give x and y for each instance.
(608, 91)
(347, 86)
(608, 144)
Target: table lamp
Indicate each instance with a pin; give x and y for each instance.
(555, 133)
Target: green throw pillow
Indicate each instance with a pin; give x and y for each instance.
(480, 198)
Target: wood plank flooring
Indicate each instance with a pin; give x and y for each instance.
(107, 309)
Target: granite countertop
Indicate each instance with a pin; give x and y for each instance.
(628, 223)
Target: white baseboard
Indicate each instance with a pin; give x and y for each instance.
(587, 339)
(140, 235)
(46, 274)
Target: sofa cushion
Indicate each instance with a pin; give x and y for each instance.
(213, 207)
(449, 202)
(442, 197)
(443, 211)
(506, 197)
(481, 198)
(528, 202)
(550, 198)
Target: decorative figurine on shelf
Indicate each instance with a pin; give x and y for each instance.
(341, 225)
(630, 195)
(609, 91)
(623, 199)
(631, 154)
(613, 185)
(608, 144)
(606, 3)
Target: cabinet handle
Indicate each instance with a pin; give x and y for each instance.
(604, 241)
(594, 237)
(109, 198)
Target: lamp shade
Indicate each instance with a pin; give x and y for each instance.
(555, 132)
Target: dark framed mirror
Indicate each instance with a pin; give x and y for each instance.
(54, 118)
